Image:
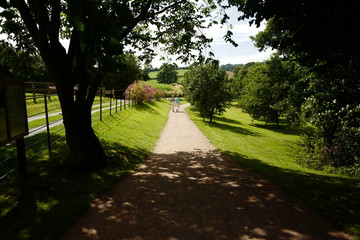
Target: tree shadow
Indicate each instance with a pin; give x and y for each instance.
(231, 128)
(226, 120)
(198, 195)
(151, 107)
(282, 128)
(334, 198)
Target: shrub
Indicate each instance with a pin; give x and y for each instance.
(342, 155)
(142, 92)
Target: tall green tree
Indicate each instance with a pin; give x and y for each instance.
(207, 89)
(145, 73)
(97, 31)
(167, 73)
(21, 65)
(274, 89)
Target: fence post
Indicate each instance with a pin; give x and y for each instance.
(129, 98)
(47, 126)
(115, 105)
(48, 91)
(100, 104)
(125, 100)
(33, 91)
(21, 158)
(110, 105)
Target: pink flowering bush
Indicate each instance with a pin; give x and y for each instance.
(142, 92)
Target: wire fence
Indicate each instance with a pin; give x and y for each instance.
(46, 126)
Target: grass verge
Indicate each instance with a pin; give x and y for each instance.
(55, 194)
(264, 148)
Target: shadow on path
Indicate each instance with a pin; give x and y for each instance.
(195, 196)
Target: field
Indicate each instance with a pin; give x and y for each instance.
(181, 72)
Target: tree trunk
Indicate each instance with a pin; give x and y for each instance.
(211, 115)
(84, 145)
(82, 141)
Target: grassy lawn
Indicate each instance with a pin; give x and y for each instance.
(267, 149)
(53, 104)
(56, 194)
(181, 72)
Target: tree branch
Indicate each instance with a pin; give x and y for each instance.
(55, 22)
(170, 6)
(28, 19)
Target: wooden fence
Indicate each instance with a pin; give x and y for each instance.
(48, 88)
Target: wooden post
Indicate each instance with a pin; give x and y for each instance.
(47, 127)
(33, 91)
(101, 92)
(21, 158)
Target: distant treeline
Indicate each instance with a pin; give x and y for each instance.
(226, 67)
(154, 69)
(230, 67)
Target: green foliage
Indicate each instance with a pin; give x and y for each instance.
(145, 74)
(167, 73)
(127, 71)
(207, 88)
(334, 108)
(272, 90)
(296, 29)
(230, 67)
(20, 65)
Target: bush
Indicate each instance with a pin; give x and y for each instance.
(342, 155)
(142, 92)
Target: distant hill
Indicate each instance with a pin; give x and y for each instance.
(230, 67)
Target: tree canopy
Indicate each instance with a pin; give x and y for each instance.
(20, 65)
(207, 89)
(274, 89)
(167, 73)
(128, 70)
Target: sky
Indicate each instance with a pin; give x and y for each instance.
(225, 52)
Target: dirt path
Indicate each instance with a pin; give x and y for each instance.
(188, 191)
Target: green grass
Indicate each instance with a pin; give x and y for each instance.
(162, 86)
(53, 104)
(56, 194)
(267, 149)
(181, 72)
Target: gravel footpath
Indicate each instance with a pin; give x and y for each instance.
(187, 191)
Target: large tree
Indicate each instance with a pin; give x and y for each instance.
(98, 30)
(274, 89)
(167, 73)
(206, 87)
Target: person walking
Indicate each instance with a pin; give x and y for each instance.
(172, 103)
(177, 100)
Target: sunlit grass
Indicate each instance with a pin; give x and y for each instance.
(181, 72)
